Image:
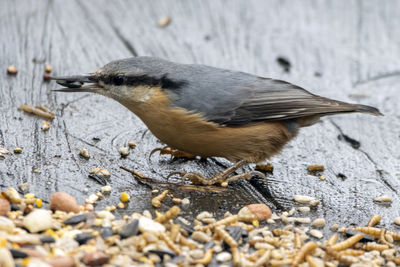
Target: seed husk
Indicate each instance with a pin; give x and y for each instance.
(12, 70)
(164, 21)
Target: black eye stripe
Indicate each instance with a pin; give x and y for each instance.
(118, 80)
(164, 82)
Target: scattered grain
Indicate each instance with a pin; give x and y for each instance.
(12, 70)
(84, 153)
(164, 21)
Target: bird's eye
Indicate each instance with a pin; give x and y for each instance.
(118, 80)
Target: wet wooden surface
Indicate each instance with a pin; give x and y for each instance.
(347, 50)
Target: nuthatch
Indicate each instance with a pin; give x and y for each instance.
(210, 112)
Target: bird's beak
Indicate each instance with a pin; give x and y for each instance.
(77, 83)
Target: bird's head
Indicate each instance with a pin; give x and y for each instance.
(123, 80)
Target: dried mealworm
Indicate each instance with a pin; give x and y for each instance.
(225, 221)
(315, 168)
(156, 201)
(261, 261)
(374, 221)
(175, 228)
(280, 262)
(351, 252)
(170, 243)
(236, 256)
(314, 262)
(305, 250)
(208, 255)
(333, 239)
(38, 110)
(279, 232)
(372, 231)
(375, 246)
(171, 213)
(297, 240)
(347, 260)
(349, 242)
(383, 239)
(226, 236)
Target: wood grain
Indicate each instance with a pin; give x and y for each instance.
(347, 50)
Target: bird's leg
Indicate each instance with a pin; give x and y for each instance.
(167, 150)
(219, 178)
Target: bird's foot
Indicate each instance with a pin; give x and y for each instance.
(167, 150)
(219, 178)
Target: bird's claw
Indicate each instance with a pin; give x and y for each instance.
(199, 179)
(167, 150)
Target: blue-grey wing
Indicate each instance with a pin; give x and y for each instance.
(236, 98)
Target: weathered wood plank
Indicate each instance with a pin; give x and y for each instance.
(352, 44)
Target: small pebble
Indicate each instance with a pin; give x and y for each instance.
(83, 238)
(18, 150)
(36, 171)
(63, 261)
(47, 239)
(124, 151)
(316, 233)
(12, 70)
(6, 258)
(106, 189)
(6, 224)
(38, 220)
(383, 198)
(200, 237)
(64, 202)
(185, 203)
(164, 21)
(106, 232)
(12, 195)
(196, 253)
(24, 187)
(5, 207)
(84, 153)
(76, 219)
(18, 254)
(96, 258)
(148, 225)
(261, 212)
(223, 256)
(130, 229)
(320, 222)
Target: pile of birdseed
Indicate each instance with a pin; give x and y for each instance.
(72, 235)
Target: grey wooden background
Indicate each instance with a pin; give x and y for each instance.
(347, 50)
